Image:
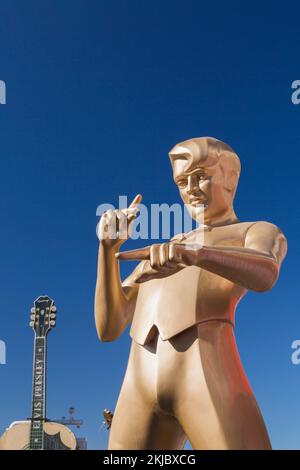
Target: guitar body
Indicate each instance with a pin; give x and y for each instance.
(56, 437)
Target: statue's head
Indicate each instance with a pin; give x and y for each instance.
(206, 172)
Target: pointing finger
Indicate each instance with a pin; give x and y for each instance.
(136, 201)
(139, 254)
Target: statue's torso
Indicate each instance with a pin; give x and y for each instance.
(192, 295)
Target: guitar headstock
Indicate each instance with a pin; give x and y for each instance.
(43, 316)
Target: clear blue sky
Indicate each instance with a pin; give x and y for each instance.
(97, 93)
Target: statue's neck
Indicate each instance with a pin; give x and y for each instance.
(227, 218)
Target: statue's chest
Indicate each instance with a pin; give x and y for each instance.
(185, 286)
(231, 235)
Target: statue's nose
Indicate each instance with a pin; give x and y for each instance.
(192, 184)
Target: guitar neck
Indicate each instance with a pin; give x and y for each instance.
(42, 320)
(38, 414)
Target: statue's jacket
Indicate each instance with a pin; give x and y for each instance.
(190, 296)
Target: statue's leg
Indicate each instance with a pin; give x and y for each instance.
(138, 421)
(215, 404)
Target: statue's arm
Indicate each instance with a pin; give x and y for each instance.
(255, 266)
(114, 304)
(114, 301)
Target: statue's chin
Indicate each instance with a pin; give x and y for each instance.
(197, 212)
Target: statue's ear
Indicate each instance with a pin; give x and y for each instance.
(230, 172)
(231, 179)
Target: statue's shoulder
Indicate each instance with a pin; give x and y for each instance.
(259, 235)
(255, 226)
(238, 230)
(267, 237)
(262, 226)
(245, 232)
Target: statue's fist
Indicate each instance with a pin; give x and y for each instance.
(164, 259)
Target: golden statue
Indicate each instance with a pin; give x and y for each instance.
(184, 378)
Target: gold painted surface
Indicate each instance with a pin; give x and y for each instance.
(184, 378)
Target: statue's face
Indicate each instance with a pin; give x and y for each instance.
(201, 181)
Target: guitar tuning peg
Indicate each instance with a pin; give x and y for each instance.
(31, 324)
(32, 317)
(52, 323)
(52, 315)
(32, 310)
(53, 309)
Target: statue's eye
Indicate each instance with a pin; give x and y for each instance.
(203, 177)
(182, 182)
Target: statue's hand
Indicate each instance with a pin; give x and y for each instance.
(165, 259)
(115, 226)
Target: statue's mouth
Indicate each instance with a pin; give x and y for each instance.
(198, 202)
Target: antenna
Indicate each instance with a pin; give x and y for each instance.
(70, 421)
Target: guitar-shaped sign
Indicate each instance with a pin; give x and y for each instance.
(38, 433)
